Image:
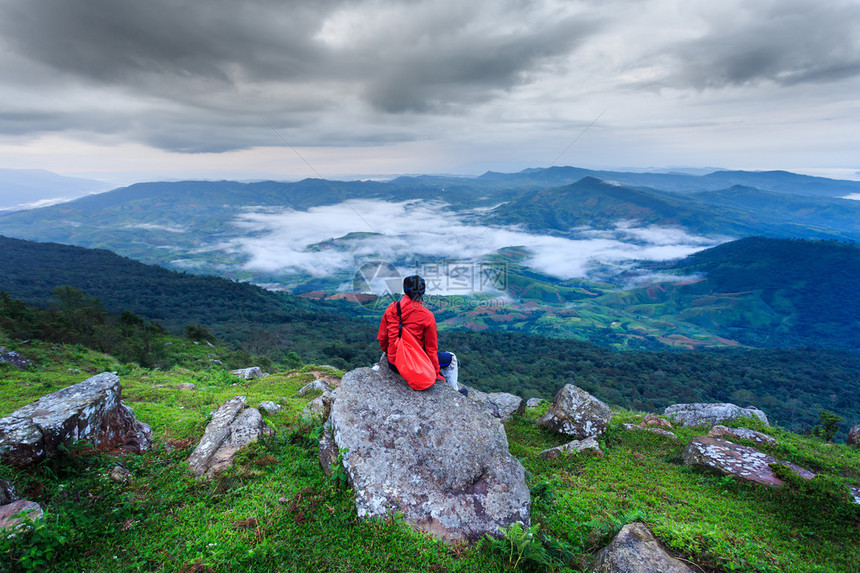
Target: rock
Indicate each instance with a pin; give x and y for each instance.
(853, 438)
(232, 427)
(710, 414)
(121, 475)
(270, 407)
(483, 400)
(315, 386)
(328, 450)
(7, 492)
(434, 456)
(91, 411)
(653, 421)
(640, 428)
(575, 446)
(14, 358)
(73, 371)
(740, 434)
(319, 407)
(186, 386)
(744, 462)
(534, 402)
(855, 493)
(249, 373)
(8, 512)
(635, 550)
(499, 404)
(576, 413)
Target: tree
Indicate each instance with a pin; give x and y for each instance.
(829, 425)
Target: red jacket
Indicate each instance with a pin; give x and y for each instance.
(418, 320)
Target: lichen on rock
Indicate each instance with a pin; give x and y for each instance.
(434, 456)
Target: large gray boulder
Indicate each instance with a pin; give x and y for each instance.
(701, 414)
(91, 411)
(232, 427)
(635, 550)
(743, 462)
(499, 404)
(576, 413)
(853, 438)
(434, 456)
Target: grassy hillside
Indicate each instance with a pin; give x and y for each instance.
(275, 510)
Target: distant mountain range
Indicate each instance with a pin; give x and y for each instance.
(188, 224)
(27, 188)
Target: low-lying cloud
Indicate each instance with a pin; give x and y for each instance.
(411, 234)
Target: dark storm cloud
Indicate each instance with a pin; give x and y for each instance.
(461, 68)
(203, 73)
(786, 42)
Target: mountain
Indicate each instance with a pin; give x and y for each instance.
(594, 203)
(25, 188)
(205, 226)
(776, 181)
(735, 212)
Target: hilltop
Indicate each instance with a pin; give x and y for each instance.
(275, 509)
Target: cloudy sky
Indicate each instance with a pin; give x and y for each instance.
(129, 90)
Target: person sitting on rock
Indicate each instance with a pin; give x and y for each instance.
(422, 324)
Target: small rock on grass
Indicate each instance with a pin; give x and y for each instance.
(121, 475)
(588, 444)
(269, 407)
(740, 434)
(661, 431)
(8, 512)
(653, 421)
(635, 550)
(315, 386)
(576, 413)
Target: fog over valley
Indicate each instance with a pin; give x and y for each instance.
(412, 233)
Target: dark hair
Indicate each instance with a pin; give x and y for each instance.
(413, 287)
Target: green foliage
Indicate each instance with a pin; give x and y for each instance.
(523, 545)
(198, 333)
(829, 425)
(823, 502)
(338, 475)
(603, 530)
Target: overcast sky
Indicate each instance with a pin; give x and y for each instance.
(131, 90)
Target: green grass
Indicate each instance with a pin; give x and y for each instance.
(276, 511)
